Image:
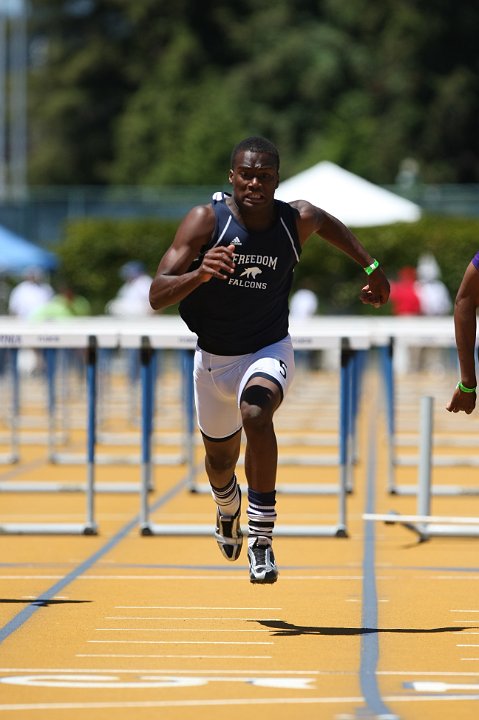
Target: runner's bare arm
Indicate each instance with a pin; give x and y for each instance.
(465, 325)
(314, 220)
(173, 280)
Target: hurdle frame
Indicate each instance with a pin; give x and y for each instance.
(305, 336)
(22, 334)
(424, 525)
(437, 333)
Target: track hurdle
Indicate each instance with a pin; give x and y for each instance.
(12, 457)
(417, 332)
(59, 335)
(176, 336)
(423, 524)
(351, 353)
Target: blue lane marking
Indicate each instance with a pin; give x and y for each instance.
(369, 641)
(24, 615)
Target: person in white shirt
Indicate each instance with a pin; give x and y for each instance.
(434, 301)
(434, 297)
(132, 301)
(303, 304)
(132, 298)
(30, 294)
(26, 298)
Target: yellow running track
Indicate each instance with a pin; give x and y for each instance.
(375, 625)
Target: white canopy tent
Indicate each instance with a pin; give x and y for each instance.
(355, 201)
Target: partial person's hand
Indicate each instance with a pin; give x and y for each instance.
(218, 262)
(368, 297)
(462, 401)
(376, 292)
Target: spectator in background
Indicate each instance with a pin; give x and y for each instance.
(30, 294)
(132, 299)
(303, 304)
(434, 297)
(404, 295)
(435, 301)
(405, 301)
(26, 298)
(65, 304)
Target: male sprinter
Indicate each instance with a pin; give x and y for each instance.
(230, 266)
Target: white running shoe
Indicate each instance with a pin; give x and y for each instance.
(262, 565)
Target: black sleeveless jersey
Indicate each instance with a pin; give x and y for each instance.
(249, 310)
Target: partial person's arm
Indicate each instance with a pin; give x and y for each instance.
(173, 280)
(465, 307)
(315, 220)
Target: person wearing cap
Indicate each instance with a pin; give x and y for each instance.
(26, 298)
(132, 299)
(30, 294)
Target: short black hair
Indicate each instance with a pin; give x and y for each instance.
(257, 144)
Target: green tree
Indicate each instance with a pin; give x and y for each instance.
(154, 92)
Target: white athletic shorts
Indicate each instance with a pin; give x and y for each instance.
(219, 381)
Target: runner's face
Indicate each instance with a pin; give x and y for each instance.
(254, 179)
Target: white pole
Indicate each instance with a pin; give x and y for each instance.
(3, 104)
(425, 458)
(18, 98)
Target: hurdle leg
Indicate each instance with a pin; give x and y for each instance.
(51, 363)
(344, 427)
(14, 455)
(90, 526)
(146, 375)
(189, 417)
(386, 357)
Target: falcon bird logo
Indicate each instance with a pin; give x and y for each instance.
(251, 272)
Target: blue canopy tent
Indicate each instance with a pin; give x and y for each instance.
(17, 254)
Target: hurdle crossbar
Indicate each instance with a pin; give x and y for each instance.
(149, 339)
(53, 337)
(424, 524)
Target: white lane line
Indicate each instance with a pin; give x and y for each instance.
(176, 703)
(174, 578)
(476, 645)
(470, 659)
(189, 630)
(429, 686)
(206, 618)
(178, 657)
(190, 607)
(465, 611)
(181, 642)
(428, 672)
(231, 702)
(453, 577)
(393, 518)
(174, 671)
(228, 578)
